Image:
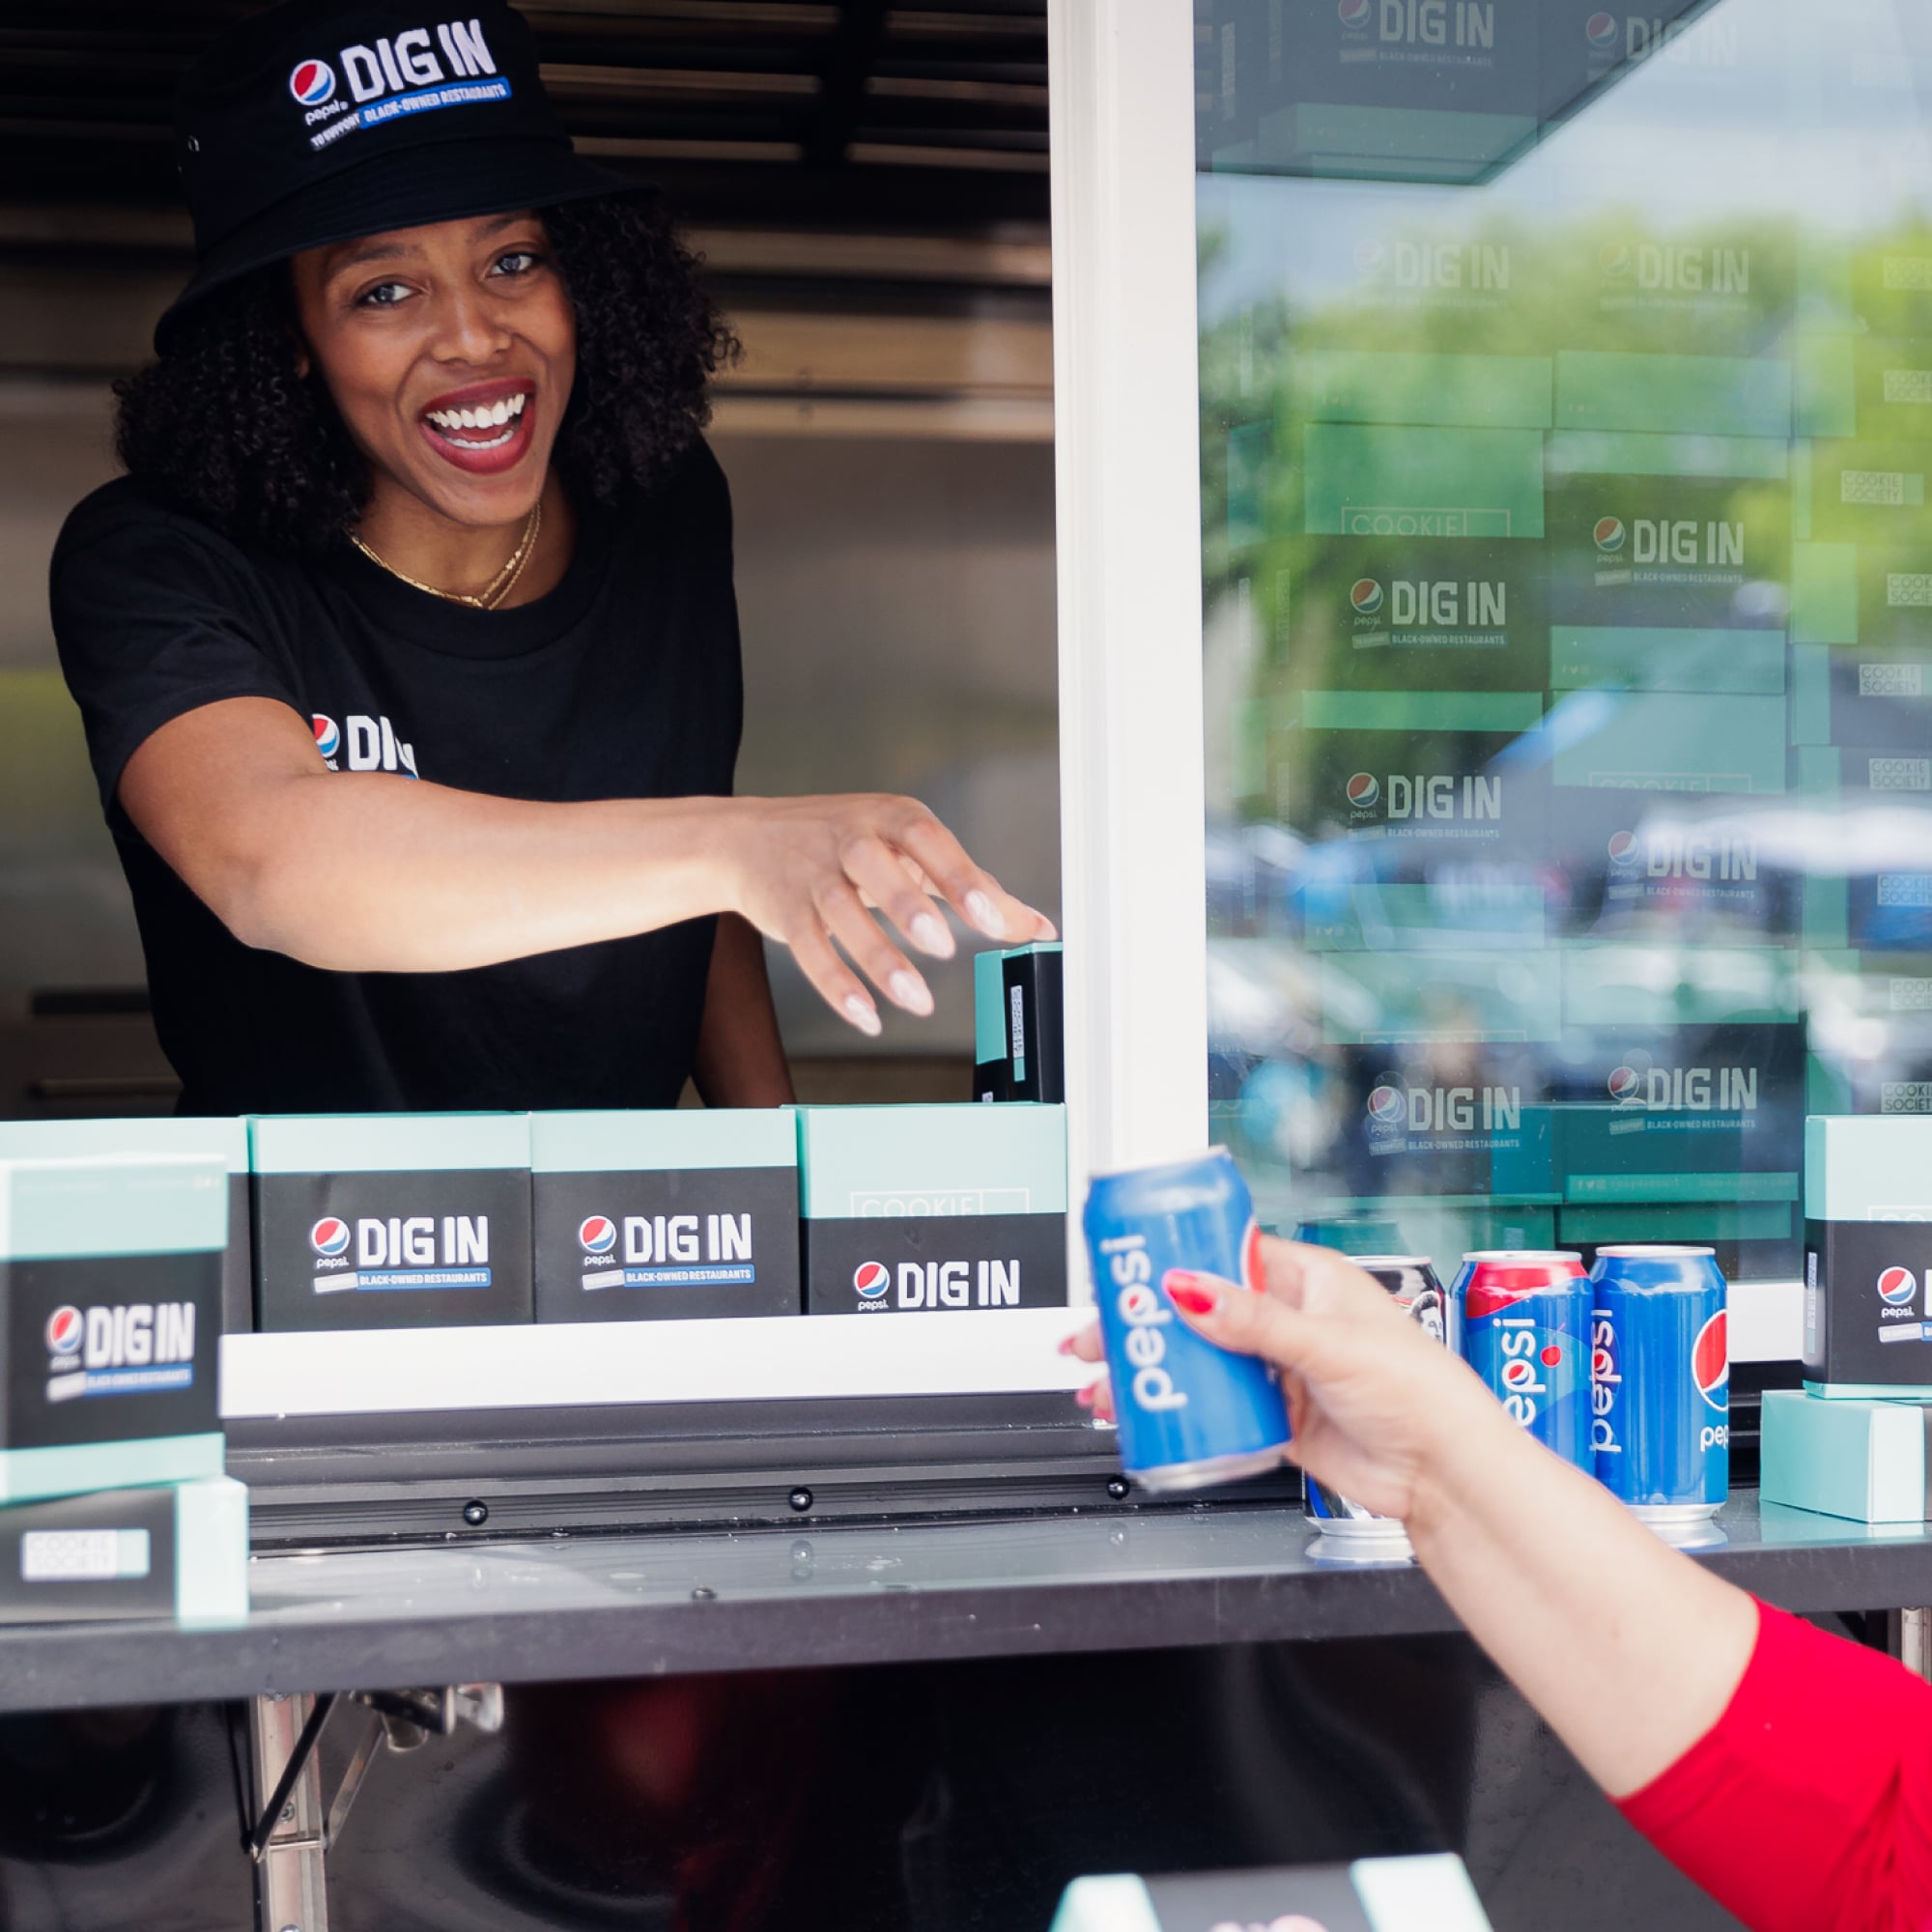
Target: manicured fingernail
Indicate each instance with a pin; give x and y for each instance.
(985, 915)
(863, 1015)
(910, 991)
(1186, 1292)
(1085, 1397)
(1065, 1347)
(929, 936)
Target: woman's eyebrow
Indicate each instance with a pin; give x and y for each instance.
(379, 250)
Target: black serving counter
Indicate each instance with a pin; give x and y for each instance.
(667, 1602)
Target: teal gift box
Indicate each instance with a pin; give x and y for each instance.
(222, 1138)
(1855, 1457)
(933, 1210)
(110, 1294)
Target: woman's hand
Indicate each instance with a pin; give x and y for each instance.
(1371, 1397)
(804, 870)
(1628, 1648)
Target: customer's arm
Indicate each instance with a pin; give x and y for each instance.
(1651, 1669)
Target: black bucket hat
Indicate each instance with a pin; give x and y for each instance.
(317, 121)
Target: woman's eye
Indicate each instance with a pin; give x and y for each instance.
(518, 262)
(385, 295)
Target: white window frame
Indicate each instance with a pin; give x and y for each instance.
(1127, 457)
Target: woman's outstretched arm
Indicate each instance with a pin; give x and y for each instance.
(1682, 1700)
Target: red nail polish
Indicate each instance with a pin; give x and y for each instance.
(1191, 1296)
(1085, 1397)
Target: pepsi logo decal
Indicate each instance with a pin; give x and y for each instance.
(1517, 1374)
(1613, 259)
(1600, 30)
(1385, 1103)
(312, 82)
(1897, 1286)
(328, 1236)
(1603, 1363)
(1363, 789)
(1352, 13)
(327, 734)
(1610, 534)
(1366, 595)
(1623, 847)
(598, 1236)
(1622, 1083)
(64, 1330)
(871, 1279)
(1711, 1361)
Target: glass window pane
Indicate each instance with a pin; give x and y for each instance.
(1567, 412)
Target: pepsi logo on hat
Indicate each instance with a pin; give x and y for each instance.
(312, 82)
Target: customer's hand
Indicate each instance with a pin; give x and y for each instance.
(804, 870)
(1372, 1399)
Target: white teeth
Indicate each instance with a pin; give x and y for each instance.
(493, 416)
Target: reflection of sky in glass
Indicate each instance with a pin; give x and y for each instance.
(1759, 107)
(1773, 929)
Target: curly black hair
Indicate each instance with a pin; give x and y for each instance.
(224, 425)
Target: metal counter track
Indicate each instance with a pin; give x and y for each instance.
(807, 1595)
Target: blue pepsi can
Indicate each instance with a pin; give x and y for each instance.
(1190, 1413)
(1660, 1381)
(1520, 1318)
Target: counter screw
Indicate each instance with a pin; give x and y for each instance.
(800, 1500)
(475, 1514)
(1117, 1488)
(703, 1594)
(288, 1815)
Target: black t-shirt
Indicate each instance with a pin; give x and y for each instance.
(622, 682)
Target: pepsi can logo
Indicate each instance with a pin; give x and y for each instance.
(1519, 1373)
(1711, 1361)
(328, 1236)
(1608, 534)
(1352, 13)
(1897, 1286)
(1363, 789)
(327, 734)
(598, 1236)
(65, 1328)
(1385, 1103)
(1622, 1083)
(1366, 596)
(312, 82)
(871, 1279)
(1603, 1363)
(1623, 849)
(1600, 30)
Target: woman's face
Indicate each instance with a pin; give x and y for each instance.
(449, 351)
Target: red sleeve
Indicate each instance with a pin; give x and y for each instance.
(1808, 1806)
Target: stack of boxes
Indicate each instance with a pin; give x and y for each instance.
(463, 1220)
(112, 1499)
(1853, 1442)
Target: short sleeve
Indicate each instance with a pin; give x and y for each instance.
(155, 616)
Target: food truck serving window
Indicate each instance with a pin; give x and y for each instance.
(1567, 408)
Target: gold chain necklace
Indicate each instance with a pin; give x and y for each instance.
(495, 590)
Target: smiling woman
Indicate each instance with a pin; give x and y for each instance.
(408, 649)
